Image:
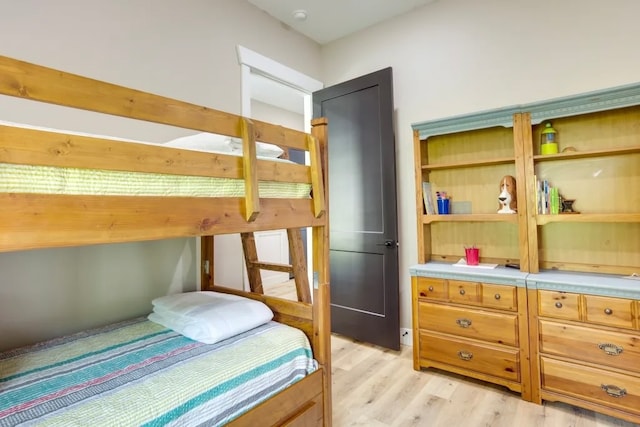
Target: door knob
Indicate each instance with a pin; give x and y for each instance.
(388, 243)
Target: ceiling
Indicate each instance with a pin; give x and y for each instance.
(329, 20)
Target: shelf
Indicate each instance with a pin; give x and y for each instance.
(428, 219)
(586, 154)
(488, 162)
(546, 219)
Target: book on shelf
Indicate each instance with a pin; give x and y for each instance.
(427, 196)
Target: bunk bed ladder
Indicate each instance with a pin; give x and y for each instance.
(298, 266)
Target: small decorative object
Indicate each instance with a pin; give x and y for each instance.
(548, 140)
(508, 196)
(567, 206)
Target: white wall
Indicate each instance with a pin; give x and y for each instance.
(181, 49)
(457, 56)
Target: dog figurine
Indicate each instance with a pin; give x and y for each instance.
(507, 197)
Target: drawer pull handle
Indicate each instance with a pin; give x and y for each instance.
(430, 288)
(497, 296)
(558, 304)
(608, 311)
(462, 292)
(467, 355)
(610, 349)
(613, 390)
(463, 323)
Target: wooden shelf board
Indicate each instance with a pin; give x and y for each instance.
(428, 219)
(546, 219)
(488, 162)
(587, 268)
(586, 154)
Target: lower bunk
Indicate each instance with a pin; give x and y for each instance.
(140, 373)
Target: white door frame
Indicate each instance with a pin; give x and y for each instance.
(251, 61)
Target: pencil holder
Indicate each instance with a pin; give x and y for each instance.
(472, 255)
(443, 206)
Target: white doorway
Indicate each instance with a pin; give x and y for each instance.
(273, 93)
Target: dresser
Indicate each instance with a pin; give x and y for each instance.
(585, 331)
(472, 322)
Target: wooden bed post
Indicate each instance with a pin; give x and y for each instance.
(251, 261)
(321, 275)
(299, 264)
(250, 169)
(206, 266)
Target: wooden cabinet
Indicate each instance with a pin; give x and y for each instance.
(597, 166)
(586, 350)
(471, 326)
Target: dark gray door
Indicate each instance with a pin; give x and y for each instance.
(362, 202)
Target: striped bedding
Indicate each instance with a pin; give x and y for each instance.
(16, 178)
(138, 373)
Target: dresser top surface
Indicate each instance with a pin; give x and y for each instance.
(497, 275)
(563, 281)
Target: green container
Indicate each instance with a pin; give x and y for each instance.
(548, 140)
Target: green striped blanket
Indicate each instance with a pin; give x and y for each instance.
(74, 181)
(138, 373)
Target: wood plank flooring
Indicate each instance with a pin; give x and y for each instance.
(376, 387)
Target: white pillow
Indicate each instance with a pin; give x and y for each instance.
(263, 149)
(213, 143)
(208, 316)
(209, 142)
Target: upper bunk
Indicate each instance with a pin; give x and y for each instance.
(52, 193)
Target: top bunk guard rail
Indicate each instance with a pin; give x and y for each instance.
(34, 220)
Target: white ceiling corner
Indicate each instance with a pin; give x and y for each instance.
(329, 20)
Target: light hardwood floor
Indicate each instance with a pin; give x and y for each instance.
(375, 387)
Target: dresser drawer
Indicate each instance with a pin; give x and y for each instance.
(595, 385)
(609, 311)
(503, 363)
(432, 288)
(561, 305)
(619, 350)
(464, 292)
(493, 327)
(499, 296)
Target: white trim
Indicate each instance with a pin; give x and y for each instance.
(245, 89)
(277, 71)
(251, 61)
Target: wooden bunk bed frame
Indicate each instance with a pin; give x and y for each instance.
(29, 221)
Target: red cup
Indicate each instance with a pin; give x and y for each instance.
(472, 255)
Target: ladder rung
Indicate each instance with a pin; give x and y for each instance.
(287, 268)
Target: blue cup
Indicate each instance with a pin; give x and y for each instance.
(443, 206)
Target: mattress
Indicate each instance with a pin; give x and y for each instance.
(18, 178)
(138, 373)
(15, 178)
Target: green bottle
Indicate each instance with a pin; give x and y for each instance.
(548, 140)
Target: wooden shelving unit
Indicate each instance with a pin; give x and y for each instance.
(573, 286)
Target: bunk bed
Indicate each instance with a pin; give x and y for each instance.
(45, 218)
